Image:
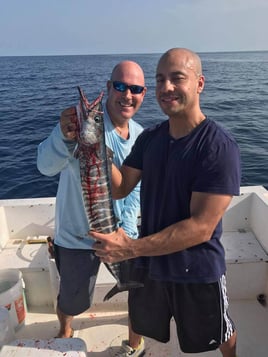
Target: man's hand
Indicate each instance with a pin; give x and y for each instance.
(68, 123)
(113, 247)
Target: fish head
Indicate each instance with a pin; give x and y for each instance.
(90, 120)
(92, 128)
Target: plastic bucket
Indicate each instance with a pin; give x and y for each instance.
(6, 329)
(12, 296)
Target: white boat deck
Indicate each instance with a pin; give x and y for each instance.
(104, 331)
(103, 327)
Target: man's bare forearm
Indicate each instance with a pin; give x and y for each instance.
(175, 238)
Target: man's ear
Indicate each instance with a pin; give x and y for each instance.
(108, 85)
(201, 83)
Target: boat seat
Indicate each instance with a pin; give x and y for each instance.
(244, 253)
(242, 246)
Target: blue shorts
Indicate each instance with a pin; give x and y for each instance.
(199, 310)
(78, 269)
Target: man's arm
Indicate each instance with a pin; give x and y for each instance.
(130, 212)
(206, 211)
(124, 180)
(54, 152)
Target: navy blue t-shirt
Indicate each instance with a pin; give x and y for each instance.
(206, 160)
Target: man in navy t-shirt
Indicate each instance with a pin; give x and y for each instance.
(189, 169)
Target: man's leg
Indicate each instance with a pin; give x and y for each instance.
(65, 321)
(133, 338)
(228, 348)
(202, 310)
(78, 270)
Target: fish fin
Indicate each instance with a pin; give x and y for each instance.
(76, 152)
(109, 153)
(83, 97)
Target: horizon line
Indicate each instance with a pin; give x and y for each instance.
(127, 53)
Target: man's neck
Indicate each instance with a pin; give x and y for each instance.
(182, 126)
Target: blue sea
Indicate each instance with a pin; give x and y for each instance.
(34, 91)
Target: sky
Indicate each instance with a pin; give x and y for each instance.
(70, 27)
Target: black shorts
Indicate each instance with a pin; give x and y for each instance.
(78, 269)
(199, 310)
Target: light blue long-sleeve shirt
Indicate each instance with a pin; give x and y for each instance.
(55, 155)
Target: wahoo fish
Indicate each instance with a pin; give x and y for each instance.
(95, 160)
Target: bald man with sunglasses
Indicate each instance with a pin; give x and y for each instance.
(76, 261)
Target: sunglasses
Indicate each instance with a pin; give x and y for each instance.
(122, 87)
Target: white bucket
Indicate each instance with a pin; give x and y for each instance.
(12, 297)
(6, 329)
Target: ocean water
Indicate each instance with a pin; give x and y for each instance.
(34, 91)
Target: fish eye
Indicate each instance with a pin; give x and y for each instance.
(97, 119)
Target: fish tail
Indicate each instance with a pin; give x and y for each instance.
(118, 288)
(111, 293)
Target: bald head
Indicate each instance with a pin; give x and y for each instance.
(189, 58)
(123, 102)
(128, 68)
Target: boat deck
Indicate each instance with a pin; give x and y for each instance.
(103, 331)
(104, 326)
